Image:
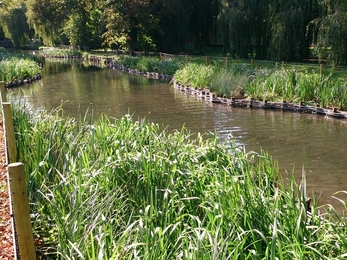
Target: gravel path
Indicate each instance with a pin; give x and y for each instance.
(6, 238)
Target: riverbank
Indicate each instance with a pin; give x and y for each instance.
(206, 94)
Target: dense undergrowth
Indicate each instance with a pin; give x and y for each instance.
(120, 189)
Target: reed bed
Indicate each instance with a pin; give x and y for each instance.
(62, 53)
(267, 84)
(124, 189)
(261, 83)
(294, 86)
(17, 66)
(150, 64)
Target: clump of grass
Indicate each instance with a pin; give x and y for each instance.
(224, 82)
(17, 66)
(116, 189)
(150, 64)
(128, 61)
(59, 52)
(195, 75)
(169, 66)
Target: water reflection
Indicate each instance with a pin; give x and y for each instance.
(293, 139)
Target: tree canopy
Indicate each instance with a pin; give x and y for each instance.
(264, 29)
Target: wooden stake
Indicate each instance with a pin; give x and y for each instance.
(9, 132)
(321, 69)
(21, 211)
(226, 62)
(3, 91)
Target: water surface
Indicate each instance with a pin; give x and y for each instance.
(295, 140)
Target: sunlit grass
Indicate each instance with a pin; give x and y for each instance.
(61, 52)
(17, 66)
(119, 189)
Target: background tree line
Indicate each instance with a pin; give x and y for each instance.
(262, 29)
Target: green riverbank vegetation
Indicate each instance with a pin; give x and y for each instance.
(17, 67)
(61, 52)
(124, 189)
(267, 84)
(241, 80)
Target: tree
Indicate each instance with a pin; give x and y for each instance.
(144, 24)
(288, 22)
(85, 24)
(202, 21)
(329, 31)
(47, 18)
(243, 26)
(124, 20)
(14, 23)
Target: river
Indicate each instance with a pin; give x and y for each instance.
(294, 140)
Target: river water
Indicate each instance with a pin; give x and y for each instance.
(294, 140)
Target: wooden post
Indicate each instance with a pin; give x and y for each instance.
(226, 62)
(321, 70)
(21, 211)
(9, 132)
(252, 63)
(3, 91)
(186, 58)
(207, 60)
(282, 65)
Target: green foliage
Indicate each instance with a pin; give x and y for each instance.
(150, 64)
(147, 64)
(128, 61)
(15, 26)
(226, 81)
(116, 189)
(194, 75)
(47, 18)
(169, 66)
(60, 52)
(329, 28)
(17, 67)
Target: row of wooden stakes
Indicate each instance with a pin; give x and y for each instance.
(23, 240)
(252, 103)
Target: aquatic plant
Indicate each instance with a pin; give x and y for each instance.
(169, 66)
(194, 75)
(119, 189)
(225, 81)
(18, 66)
(61, 52)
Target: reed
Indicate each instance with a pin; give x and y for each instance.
(226, 81)
(61, 53)
(17, 66)
(150, 64)
(295, 86)
(194, 75)
(119, 189)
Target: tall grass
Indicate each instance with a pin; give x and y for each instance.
(119, 189)
(195, 75)
(150, 64)
(295, 86)
(59, 52)
(17, 66)
(226, 80)
(267, 84)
